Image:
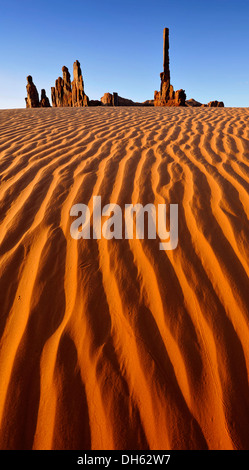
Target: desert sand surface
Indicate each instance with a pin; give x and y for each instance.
(114, 344)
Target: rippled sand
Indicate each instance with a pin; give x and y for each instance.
(116, 344)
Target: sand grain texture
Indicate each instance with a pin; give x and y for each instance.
(116, 344)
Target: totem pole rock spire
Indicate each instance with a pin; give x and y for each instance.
(167, 96)
(166, 52)
(165, 75)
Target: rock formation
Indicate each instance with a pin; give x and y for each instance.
(32, 100)
(148, 103)
(61, 93)
(114, 99)
(57, 93)
(166, 91)
(95, 103)
(212, 104)
(167, 96)
(180, 97)
(71, 94)
(193, 103)
(107, 99)
(44, 103)
(128, 102)
(67, 90)
(215, 104)
(79, 98)
(65, 93)
(111, 100)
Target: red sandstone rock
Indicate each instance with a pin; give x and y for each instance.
(65, 93)
(180, 97)
(32, 100)
(165, 75)
(114, 99)
(53, 99)
(67, 90)
(59, 84)
(148, 103)
(215, 104)
(156, 97)
(44, 103)
(78, 95)
(66, 77)
(61, 93)
(193, 103)
(106, 99)
(127, 102)
(167, 96)
(95, 103)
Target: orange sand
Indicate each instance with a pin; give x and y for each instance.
(116, 344)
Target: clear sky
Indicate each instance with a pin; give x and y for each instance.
(120, 47)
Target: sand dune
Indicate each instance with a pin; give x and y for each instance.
(116, 344)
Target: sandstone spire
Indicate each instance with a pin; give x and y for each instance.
(61, 93)
(167, 96)
(79, 97)
(165, 75)
(44, 103)
(67, 90)
(166, 52)
(57, 93)
(32, 100)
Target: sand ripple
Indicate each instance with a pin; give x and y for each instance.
(115, 344)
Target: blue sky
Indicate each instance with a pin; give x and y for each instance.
(120, 47)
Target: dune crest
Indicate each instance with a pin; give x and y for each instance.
(115, 344)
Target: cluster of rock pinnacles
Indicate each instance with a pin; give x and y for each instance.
(64, 93)
(71, 94)
(32, 100)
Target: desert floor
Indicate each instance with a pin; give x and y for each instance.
(114, 344)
